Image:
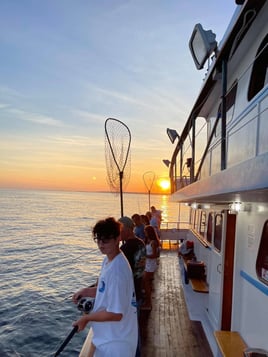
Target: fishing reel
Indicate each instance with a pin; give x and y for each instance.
(86, 304)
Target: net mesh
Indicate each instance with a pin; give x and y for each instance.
(117, 154)
(148, 179)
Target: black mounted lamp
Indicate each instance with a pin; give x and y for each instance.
(166, 162)
(172, 134)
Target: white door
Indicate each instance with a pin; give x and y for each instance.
(216, 272)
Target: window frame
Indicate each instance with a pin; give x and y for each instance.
(259, 73)
(262, 256)
(218, 233)
(210, 226)
(203, 223)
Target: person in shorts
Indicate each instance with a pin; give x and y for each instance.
(114, 316)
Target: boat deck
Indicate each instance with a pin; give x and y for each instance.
(167, 331)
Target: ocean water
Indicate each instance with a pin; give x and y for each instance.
(46, 254)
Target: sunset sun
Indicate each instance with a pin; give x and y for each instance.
(164, 184)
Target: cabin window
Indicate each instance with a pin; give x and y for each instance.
(210, 228)
(230, 103)
(192, 217)
(262, 258)
(230, 106)
(218, 232)
(202, 226)
(196, 220)
(259, 74)
(218, 127)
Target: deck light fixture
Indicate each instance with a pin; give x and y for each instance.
(235, 207)
(194, 205)
(202, 44)
(166, 162)
(189, 162)
(172, 134)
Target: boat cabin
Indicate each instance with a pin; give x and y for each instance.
(219, 169)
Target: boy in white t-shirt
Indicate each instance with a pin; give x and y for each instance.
(114, 316)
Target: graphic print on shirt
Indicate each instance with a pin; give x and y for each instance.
(102, 287)
(139, 262)
(133, 300)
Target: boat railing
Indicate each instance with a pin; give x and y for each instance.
(169, 225)
(182, 182)
(174, 232)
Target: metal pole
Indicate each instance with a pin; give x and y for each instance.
(223, 115)
(121, 192)
(193, 151)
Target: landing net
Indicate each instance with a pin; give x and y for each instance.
(117, 156)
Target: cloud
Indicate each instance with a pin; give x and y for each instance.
(6, 91)
(3, 106)
(74, 140)
(121, 97)
(88, 116)
(36, 118)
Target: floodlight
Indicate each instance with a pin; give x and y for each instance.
(202, 43)
(166, 162)
(172, 134)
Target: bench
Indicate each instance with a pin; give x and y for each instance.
(198, 285)
(230, 343)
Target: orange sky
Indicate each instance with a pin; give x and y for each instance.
(76, 180)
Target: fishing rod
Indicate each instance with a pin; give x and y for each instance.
(66, 341)
(84, 305)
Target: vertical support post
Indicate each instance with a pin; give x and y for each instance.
(175, 167)
(181, 165)
(193, 151)
(223, 115)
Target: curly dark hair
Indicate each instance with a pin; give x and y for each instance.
(107, 228)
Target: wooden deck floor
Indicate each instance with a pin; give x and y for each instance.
(167, 331)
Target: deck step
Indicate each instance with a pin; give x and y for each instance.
(230, 343)
(199, 285)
